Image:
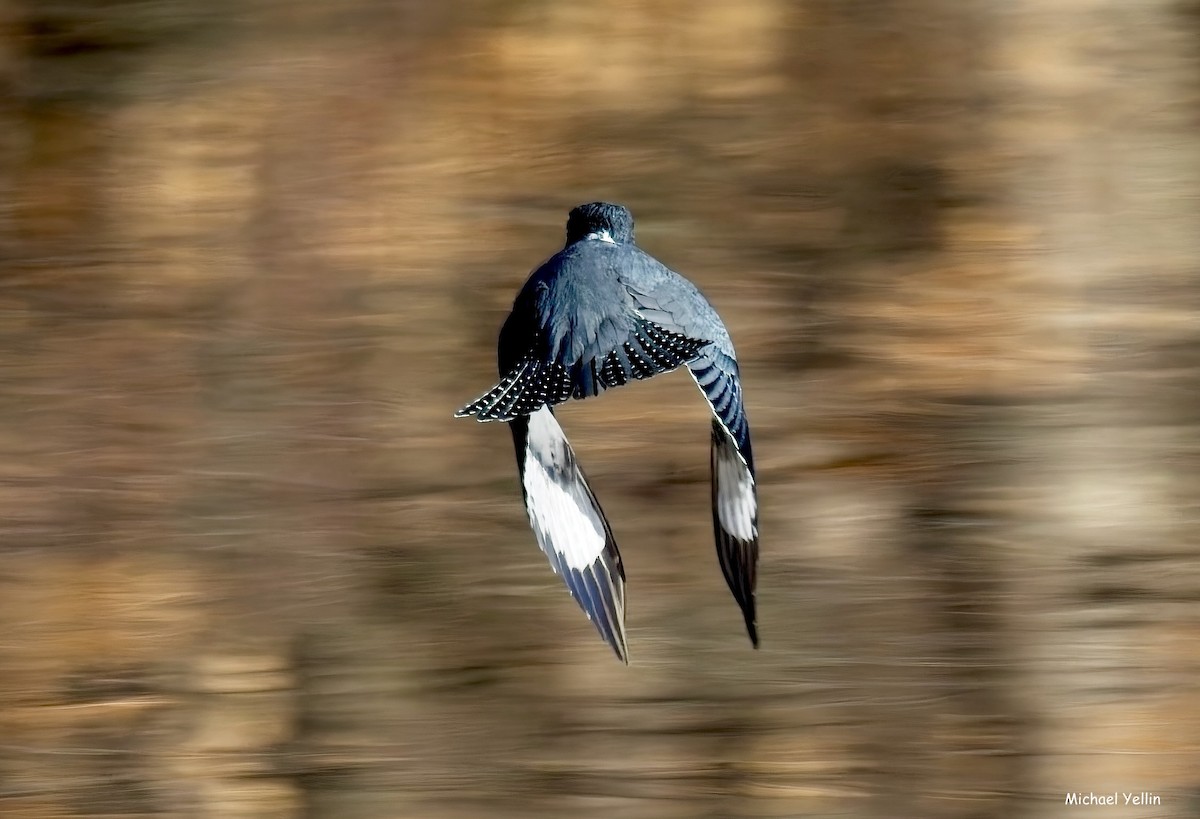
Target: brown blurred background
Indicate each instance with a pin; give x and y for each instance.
(254, 253)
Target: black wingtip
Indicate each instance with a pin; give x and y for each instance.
(619, 645)
(749, 615)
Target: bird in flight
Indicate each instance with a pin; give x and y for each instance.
(597, 314)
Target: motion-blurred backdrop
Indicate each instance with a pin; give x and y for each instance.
(254, 253)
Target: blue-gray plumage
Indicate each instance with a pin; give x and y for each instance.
(597, 314)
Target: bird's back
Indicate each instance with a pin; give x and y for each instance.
(597, 315)
(571, 304)
(588, 299)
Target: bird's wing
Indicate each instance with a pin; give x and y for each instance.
(570, 525)
(593, 348)
(717, 375)
(734, 487)
(530, 384)
(672, 302)
(675, 305)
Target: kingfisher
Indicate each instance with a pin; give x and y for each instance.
(600, 313)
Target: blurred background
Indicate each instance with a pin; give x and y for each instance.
(254, 254)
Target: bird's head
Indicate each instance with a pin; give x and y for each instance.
(600, 221)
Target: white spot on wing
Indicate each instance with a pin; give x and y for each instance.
(736, 503)
(560, 509)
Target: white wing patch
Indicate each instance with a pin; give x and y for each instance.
(560, 510)
(737, 504)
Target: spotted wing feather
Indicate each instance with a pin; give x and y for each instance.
(649, 350)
